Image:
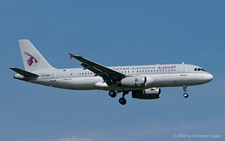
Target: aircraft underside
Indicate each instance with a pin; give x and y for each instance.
(152, 91)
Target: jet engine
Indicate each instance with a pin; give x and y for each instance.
(138, 81)
(151, 93)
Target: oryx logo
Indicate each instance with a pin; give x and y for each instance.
(31, 59)
(136, 80)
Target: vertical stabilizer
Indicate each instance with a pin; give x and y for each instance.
(32, 59)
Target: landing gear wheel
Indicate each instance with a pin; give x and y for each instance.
(112, 93)
(185, 95)
(185, 90)
(122, 101)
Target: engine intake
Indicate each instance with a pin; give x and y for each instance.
(151, 93)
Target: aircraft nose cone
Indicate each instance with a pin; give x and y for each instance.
(208, 77)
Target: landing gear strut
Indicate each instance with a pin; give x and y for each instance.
(122, 100)
(185, 91)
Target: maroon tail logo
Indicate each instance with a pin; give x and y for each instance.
(31, 60)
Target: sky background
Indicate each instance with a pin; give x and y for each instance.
(112, 33)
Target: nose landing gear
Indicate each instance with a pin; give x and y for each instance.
(185, 95)
(185, 91)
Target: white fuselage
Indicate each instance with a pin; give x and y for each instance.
(168, 75)
(143, 82)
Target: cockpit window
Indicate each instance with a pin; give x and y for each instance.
(199, 69)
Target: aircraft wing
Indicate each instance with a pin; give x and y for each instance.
(107, 74)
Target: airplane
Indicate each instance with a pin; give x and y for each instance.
(143, 81)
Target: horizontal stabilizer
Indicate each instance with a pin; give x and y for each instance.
(24, 73)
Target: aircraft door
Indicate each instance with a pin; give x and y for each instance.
(183, 70)
(52, 76)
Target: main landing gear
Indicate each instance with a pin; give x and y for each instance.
(122, 100)
(112, 93)
(185, 91)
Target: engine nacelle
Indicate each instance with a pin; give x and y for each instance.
(136, 81)
(151, 93)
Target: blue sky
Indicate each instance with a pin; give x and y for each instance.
(112, 33)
